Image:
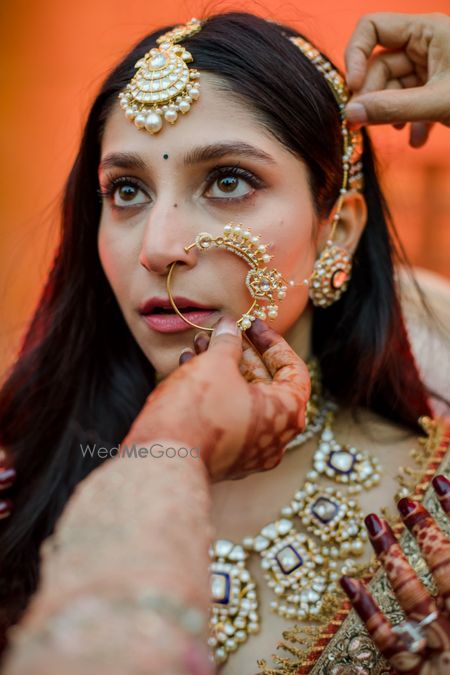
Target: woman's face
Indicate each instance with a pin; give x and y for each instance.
(215, 165)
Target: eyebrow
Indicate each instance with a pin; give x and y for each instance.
(203, 153)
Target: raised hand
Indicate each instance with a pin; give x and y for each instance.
(409, 80)
(238, 409)
(422, 646)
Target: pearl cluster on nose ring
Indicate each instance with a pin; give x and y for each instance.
(264, 284)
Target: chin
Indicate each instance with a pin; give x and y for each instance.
(166, 362)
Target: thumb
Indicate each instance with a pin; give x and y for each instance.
(227, 337)
(399, 105)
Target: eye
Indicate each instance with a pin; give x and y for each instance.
(124, 193)
(232, 182)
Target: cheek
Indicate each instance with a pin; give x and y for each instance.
(294, 252)
(115, 259)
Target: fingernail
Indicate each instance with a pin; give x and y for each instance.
(7, 477)
(186, 355)
(201, 340)
(356, 113)
(5, 508)
(226, 326)
(406, 506)
(350, 587)
(373, 524)
(442, 485)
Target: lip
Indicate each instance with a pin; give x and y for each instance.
(148, 305)
(172, 323)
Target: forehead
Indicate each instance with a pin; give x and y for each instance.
(217, 116)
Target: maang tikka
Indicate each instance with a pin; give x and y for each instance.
(162, 87)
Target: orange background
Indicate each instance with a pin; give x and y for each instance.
(54, 56)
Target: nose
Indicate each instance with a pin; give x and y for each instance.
(167, 232)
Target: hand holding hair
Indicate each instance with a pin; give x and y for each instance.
(407, 81)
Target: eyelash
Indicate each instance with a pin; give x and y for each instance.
(112, 184)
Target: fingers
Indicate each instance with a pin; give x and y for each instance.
(379, 628)
(387, 67)
(441, 486)
(434, 545)
(252, 366)
(186, 355)
(201, 342)
(418, 104)
(410, 592)
(419, 133)
(388, 29)
(226, 338)
(283, 364)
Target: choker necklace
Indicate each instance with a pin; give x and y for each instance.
(305, 550)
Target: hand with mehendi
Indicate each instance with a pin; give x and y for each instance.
(433, 649)
(238, 410)
(7, 478)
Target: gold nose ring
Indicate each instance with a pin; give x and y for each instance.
(265, 285)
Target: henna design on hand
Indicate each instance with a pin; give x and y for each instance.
(240, 426)
(413, 597)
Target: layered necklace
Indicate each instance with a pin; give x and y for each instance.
(303, 552)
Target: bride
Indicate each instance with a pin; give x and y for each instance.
(294, 409)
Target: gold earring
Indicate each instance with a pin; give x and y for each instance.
(265, 285)
(331, 272)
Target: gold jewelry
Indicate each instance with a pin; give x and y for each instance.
(301, 567)
(332, 270)
(264, 284)
(164, 85)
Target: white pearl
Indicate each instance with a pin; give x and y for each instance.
(184, 107)
(194, 93)
(171, 116)
(246, 234)
(227, 229)
(255, 239)
(140, 120)
(237, 229)
(272, 313)
(153, 122)
(281, 295)
(266, 258)
(262, 248)
(157, 62)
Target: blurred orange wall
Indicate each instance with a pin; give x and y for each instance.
(54, 56)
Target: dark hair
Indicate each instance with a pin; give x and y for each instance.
(80, 369)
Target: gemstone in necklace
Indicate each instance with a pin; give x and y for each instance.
(324, 509)
(288, 559)
(341, 461)
(220, 587)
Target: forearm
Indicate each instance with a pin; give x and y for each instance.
(133, 525)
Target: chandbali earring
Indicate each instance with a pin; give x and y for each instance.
(331, 272)
(265, 285)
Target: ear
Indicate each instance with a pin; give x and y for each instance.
(351, 224)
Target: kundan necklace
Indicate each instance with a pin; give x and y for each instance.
(304, 551)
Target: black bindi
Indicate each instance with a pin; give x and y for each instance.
(165, 156)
